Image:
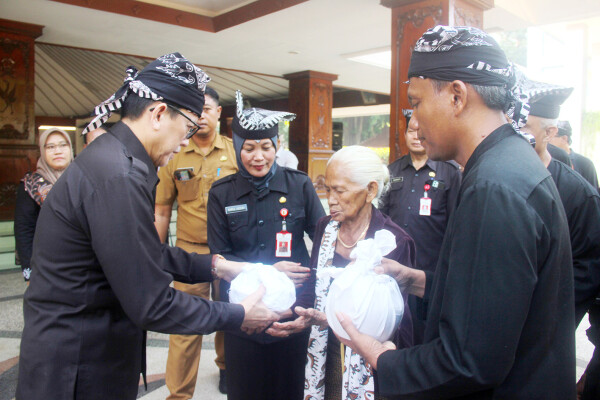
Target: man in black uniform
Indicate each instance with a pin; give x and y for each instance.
(580, 163)
(500, 323)
(580, 200)
(416, 180)
(101, 274)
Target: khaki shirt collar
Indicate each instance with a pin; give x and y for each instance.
(219, 143)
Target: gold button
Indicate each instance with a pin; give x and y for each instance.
(223, 158)
(432, 174)
(282, 199)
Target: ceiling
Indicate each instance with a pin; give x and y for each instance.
(254, 54)
(209, 8)
(70, 81)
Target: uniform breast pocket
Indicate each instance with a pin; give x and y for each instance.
(295, 219)
(438, 200)
(237, 220)
(396, 185)
(188, 190)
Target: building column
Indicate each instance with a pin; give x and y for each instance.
(311, 99)
(410, 19)
(18, 150)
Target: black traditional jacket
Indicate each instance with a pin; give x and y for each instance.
(582, 206)
(101, 278)
(501, 316)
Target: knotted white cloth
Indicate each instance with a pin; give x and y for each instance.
(280, 291)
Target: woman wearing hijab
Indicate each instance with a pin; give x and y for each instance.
(247, 214)
(56, 153)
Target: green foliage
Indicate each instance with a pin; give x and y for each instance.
(590, 133)
(514, 44)
(359, 129)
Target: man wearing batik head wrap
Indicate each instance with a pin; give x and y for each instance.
(101, 276)
(580, 163)
(582, 206)
(580, 200)
(500, 323)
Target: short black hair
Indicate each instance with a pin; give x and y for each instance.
(212, 93)
(134, 106)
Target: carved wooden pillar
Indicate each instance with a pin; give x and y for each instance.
(311, 98)
(410, 19)
(18, 151)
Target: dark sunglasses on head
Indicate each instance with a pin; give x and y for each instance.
(192, 131)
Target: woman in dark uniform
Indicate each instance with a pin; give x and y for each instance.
(251, 215)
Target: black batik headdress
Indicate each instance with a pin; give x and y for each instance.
(257, 123)
(171, 78)
(544, 99)
(468, 54)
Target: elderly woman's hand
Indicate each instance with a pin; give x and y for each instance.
(296, 272)
(306, 318)
(409, 279)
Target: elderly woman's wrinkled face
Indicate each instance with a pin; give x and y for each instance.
(58, 151)
(258, 157)
(345, 198)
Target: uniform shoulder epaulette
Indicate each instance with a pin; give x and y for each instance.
(295, 171)
(453, 163)
(223, 180)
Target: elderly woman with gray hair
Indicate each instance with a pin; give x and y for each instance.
(355, 179)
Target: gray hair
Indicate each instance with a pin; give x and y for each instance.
(494, 97)
(362, 166)
(546, 123)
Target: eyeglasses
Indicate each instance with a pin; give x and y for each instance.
(53, 147)
(192, 131)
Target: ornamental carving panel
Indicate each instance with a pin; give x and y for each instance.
(16, 89)
(466, 17)
(320, 121)
(8, 195)
(417, 17)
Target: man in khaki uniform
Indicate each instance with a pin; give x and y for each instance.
(188, 178)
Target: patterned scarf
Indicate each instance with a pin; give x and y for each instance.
(358, 375)
(36, 186)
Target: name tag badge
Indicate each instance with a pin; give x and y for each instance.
(438, 185)
(236, 209)
(425, 206)
(283, 244)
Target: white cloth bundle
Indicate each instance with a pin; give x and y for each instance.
(373, 301)
(280, 291)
